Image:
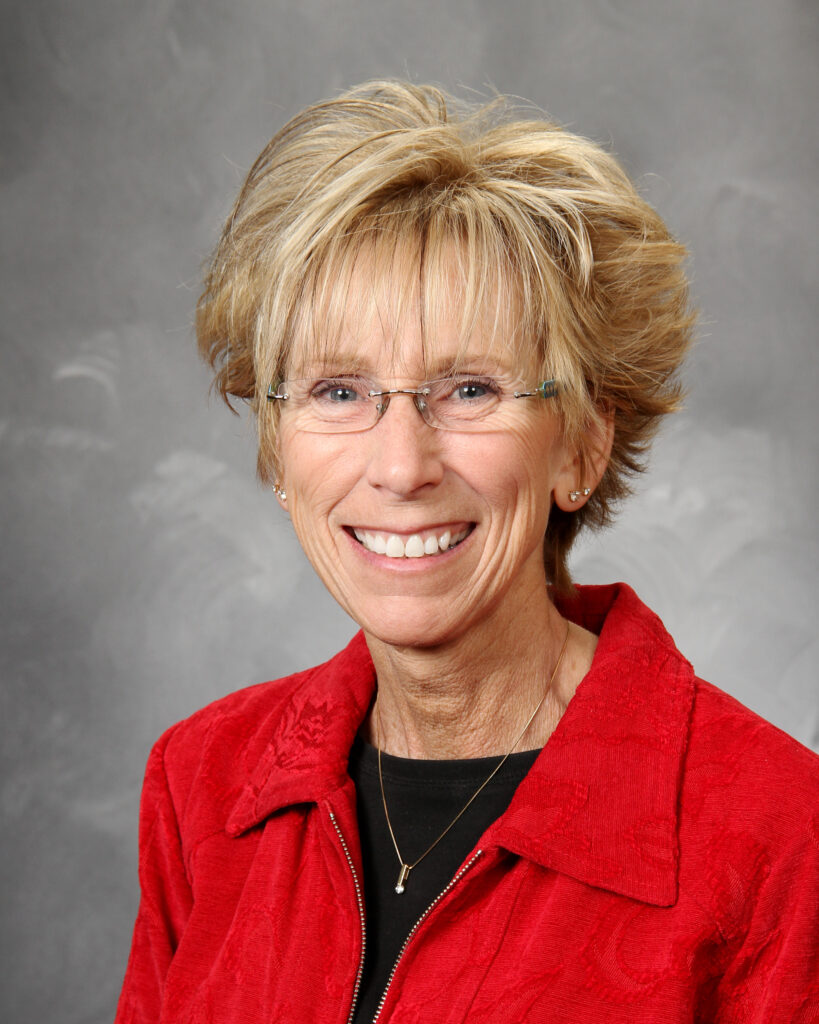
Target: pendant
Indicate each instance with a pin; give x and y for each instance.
(403, 875)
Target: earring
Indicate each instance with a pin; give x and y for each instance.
(574, 495)
(279, 491)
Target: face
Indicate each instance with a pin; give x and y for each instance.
(427, 536)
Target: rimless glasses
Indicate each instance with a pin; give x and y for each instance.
(350, 403)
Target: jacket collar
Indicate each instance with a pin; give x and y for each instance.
(310, 737)
(600, 803)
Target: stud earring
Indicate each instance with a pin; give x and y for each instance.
(279, 491)
(574, 495)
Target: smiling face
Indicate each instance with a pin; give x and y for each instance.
(427, 536)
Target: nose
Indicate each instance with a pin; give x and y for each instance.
(405, 452)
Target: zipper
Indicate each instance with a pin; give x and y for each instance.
(360, 902)
(418, 924)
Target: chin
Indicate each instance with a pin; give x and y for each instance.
(403, 627)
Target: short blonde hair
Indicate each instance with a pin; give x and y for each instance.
(543, 222)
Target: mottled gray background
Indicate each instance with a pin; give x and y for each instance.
(145, 573)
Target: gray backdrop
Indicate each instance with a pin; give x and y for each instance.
(145, 573)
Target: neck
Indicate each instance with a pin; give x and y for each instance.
(471, 697)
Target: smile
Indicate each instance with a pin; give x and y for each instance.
(416, 545)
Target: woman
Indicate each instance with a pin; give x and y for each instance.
(509, 799)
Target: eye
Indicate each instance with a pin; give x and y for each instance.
(471, 390)
(339, 391)
(474, 389)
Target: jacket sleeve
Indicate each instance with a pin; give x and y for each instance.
(775, 974)
(165, 897)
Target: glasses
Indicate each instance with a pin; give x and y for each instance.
(346, 404)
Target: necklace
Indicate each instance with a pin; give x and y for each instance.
(403, 874)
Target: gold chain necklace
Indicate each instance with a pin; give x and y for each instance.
(403, 874)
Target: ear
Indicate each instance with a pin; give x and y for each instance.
(585, 465)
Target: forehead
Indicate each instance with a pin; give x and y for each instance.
(400, 309)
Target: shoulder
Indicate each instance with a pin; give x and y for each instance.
(233, 723)
(749, 854)
(205, 760)
(733, 751)
(208, 760)
(749, 813)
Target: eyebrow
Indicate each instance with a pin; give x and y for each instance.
(468, 362)
(349, 362)
(329, 364)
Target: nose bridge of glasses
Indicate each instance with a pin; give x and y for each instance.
(418, 395)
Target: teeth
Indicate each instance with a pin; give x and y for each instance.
(395, 547)
(415, 546)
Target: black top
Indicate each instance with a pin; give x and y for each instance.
(423, 797)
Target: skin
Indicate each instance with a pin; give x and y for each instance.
(464, 642)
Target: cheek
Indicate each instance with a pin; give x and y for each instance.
(314, 465)
(514, 467)
(316, 478)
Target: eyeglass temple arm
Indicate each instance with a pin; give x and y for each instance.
(546, 389)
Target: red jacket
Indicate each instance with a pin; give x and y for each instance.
(659, 863)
